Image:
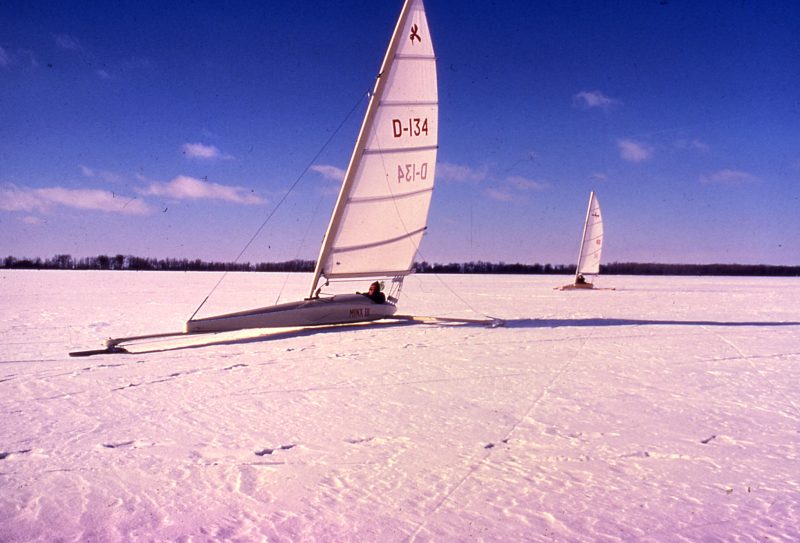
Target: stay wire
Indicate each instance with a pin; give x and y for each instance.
(454, 293)
(417, 251)
(301, 245)
(283, 199)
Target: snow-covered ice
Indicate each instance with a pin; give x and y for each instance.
(665, 410)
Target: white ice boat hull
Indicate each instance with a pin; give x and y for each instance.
(339, 309)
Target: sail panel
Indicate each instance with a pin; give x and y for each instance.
(416, 37)
(349, 262)
(405, 125)
(383, 208)
(395, 173)
(592, 247)
(412, 79)
(375, 220)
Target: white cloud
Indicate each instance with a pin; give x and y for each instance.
(203, 152)
(184, 187)
(101, 200)
(198, 150)
(593, 99)
(728, 177)
(499, 195)
(102, 74)
(598, 176)
(523, 183)
(633, 151)
(13, 198)
(108, 177)
(70, 43)
(20, 57)
(460, 174)
(331, 173)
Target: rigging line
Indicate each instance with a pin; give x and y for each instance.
(283, 199)
(391, 192)
(405, 229)
(302, 244)
(397, 209)
(454, 293)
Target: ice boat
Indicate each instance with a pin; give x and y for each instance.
(381, 212)
(380, 215)
(591, 247)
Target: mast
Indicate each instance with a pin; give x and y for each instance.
(583, 235)
(358, 150)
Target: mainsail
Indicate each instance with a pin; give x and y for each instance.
(592, 241)
(382, 209)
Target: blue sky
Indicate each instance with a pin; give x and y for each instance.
(172, 129)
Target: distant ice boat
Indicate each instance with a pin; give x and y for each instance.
(591, 247)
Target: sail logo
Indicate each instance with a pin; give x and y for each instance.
(416, 126)
(414, 29)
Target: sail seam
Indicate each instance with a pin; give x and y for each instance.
(392, 273)
(378, 243)
(405, 56)
(406, 103)
(370, 199)
(381, 151)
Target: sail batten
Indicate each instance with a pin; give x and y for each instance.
(378, 243)
(379, 151)
(415, 57)
(382, 209)
(381, 273)
(406, 103)
(370, 199)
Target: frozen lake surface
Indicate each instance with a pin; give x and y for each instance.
(665, 410)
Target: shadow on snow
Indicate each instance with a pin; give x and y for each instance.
(577, 323)
(205, 341)
(268, 336)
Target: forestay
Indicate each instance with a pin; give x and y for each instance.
(382, 209)
(592, 244)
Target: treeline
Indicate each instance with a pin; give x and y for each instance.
(636, 268)
(135, 263)
(614, 268)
